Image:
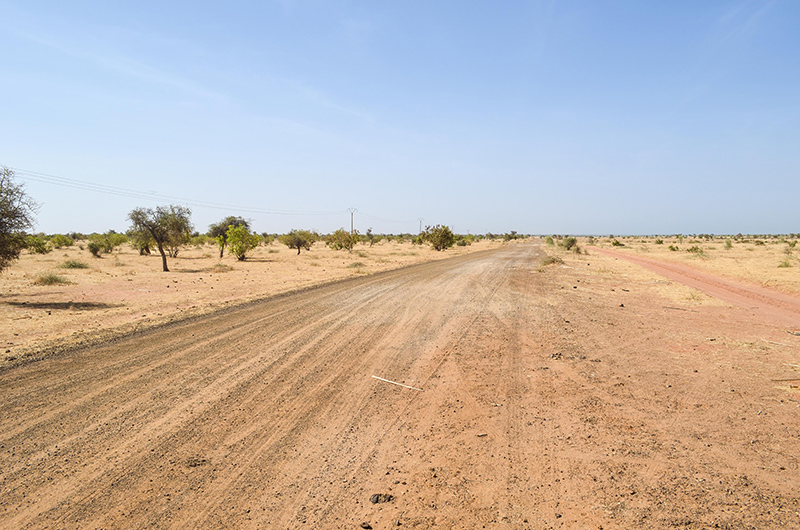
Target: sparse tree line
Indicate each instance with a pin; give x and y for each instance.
(167, 229)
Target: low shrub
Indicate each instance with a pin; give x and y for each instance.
(95, 248)
(659, 241)
(107, 242)
(50, 278)
(37, 245)
(616, 243)
(674, 248)
(73, 264)
(785, 264)
(356, 265)
(552, 260)
(60, 240)
(221, 267)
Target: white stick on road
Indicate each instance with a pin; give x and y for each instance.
(398, 384)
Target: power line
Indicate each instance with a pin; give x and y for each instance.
(46, 178)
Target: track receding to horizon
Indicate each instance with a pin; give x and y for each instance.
(539, 406)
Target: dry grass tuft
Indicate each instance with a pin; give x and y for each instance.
(74, 264)
(50, 278)
(221, 267)
(552, 260)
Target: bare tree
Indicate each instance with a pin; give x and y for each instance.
(169, 226)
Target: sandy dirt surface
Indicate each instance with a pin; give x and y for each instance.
(768, 262)
(593, 394)
(767, 304)
(123, 292)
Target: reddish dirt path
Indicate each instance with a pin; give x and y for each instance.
(761, 302)
(551, 398)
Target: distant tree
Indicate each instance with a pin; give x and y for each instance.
(440, 237)
(16, 215)
(60, 240)
(219, 231)
(167, 225)
(343, 240)
(370, 236)
(299, 239)
(38, 245)
(108, 241)
(241, 241)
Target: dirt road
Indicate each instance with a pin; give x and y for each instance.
(765, 304)
(551, 397)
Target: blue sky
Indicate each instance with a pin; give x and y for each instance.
(601, 117)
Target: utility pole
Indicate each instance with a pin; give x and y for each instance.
(352, 211)
(420, 224)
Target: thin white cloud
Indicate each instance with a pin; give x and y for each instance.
(738, 22)
(119, 63)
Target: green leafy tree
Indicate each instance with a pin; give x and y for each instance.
(241, 241)
(300, 239)
(16, 215)
(219, 231)
(167, 225)
(343, 240)
(178, 238)
(440, 237)
(141, 240)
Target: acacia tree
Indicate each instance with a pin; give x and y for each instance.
(241, 241)
(219, 231)
(343, 240)
(141, 239)
(16, 215)
(299, 239)
(167, 225)
(440, 237)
